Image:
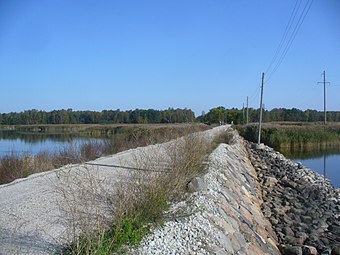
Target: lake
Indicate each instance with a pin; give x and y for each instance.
(327, 165)
(324, 162)
(32, 144)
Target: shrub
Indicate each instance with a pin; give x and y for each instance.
(12, 166)
(141, 200)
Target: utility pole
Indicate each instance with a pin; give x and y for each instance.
(324, 166)
(260, 122)
(324, 95)
(247, 111)
(243, 114)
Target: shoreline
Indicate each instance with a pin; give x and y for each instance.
(249, 201)
(291, 138)
(302, 206)
(223, 216)
(276, 206)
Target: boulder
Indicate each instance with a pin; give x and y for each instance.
(292, 250)
(336, 250)
(302, 236)
(271, 181)
(309, 250)
(294, 240)
(288, 231)
(197, 184)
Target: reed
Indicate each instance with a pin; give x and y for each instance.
(122, 137)
(303, 137)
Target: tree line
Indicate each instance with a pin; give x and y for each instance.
(239, 116)
(217, 115)
(31, 117)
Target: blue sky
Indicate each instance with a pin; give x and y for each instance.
(128, 54)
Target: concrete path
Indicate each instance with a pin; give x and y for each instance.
(39, 214)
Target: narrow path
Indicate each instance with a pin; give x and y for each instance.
(35, 212)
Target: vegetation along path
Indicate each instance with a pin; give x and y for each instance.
(250, 200)
(45, 211)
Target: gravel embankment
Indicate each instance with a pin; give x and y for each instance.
(223, 217)
(42, 212)
(250, 201)
(302, 206)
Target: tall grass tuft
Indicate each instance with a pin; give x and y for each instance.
(12, 166)
(140, 201)
(15, 165)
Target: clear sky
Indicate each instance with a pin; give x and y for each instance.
(198, 54)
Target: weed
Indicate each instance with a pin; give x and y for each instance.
(104, 216)
(224, 137)
(140, 201)
(13, 165)
(91, 150)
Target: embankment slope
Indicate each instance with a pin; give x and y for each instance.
(232, 210)
(303, 206)
(253, 201)
(223, 217)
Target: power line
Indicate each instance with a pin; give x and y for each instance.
(255, 94)
(285, 44)
(292, 35)
(284, 36)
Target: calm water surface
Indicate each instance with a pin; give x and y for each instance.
(34, 143)
(326, 162)
(327, 165)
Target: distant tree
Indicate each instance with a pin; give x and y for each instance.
(216, 115)
(170, 115)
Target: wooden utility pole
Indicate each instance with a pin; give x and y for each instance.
(324, 166)
(324, 96)
(243, 114)
(247, 111)
(260, 122)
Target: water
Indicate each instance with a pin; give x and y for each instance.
(33, 143)
(327, 165)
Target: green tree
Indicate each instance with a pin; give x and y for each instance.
(216, 115)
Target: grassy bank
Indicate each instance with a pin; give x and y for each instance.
(295, 137)
(122, 137)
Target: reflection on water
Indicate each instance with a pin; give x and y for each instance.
(323, 161)
(33, 143)
(308, 154)
(327, 165)
(35, 137)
